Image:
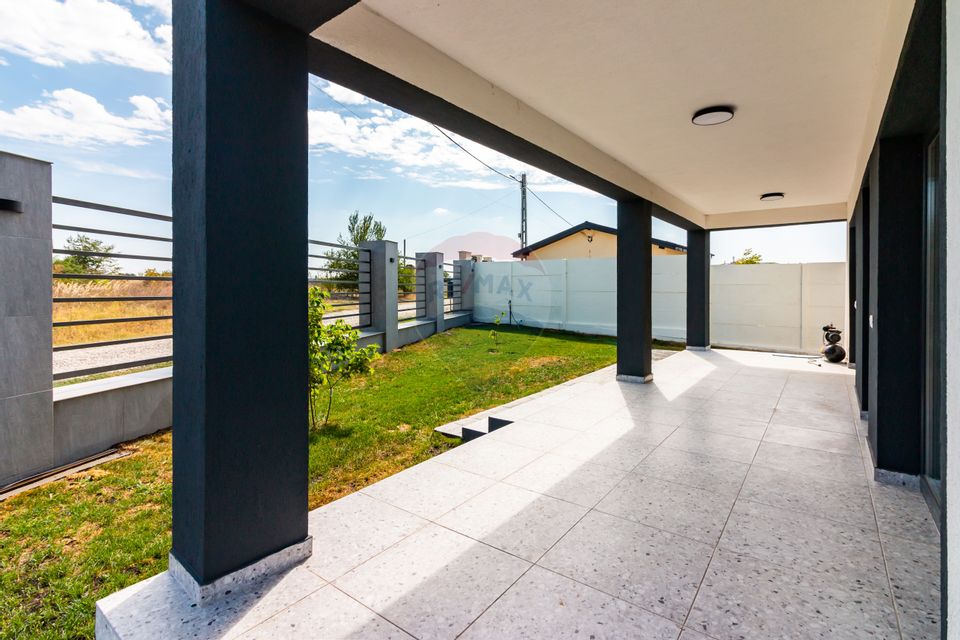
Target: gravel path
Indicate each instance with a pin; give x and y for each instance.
(102, 356)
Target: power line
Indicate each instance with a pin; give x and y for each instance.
(462, 148)
(554, 211)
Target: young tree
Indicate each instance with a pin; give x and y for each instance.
(749, 257)
(334, 354)
(98, 265)
(342, 263)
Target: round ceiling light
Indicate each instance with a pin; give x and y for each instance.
(712, 115)
(770, 197)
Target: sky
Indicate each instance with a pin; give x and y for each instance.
(86, 85)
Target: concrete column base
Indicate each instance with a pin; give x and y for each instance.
(204, 594)
(635, 379)
(693, 348)
(896, 478)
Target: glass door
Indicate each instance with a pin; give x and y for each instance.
(934, 371)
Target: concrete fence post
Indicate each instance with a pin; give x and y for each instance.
(464, 269)
(384, 285)
(431, 297)
(26, 311)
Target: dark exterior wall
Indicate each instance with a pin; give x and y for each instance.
(861, 319)
(896, 303)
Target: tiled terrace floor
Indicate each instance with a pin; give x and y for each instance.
(729, 499)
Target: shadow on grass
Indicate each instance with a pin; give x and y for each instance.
(332, 431)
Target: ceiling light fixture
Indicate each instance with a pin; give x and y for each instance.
(770, 197)
(713, 115)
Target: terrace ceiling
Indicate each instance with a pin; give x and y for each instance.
(611, 86)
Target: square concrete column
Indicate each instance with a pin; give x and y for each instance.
(432, 294)
(464, 270)
(698, 289)
(634, 291)
(26, 370)
(240, 259)
(384, 284)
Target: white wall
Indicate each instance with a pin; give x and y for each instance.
(767, 306)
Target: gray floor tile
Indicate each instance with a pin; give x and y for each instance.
(620, 452)
(327, 614)
(487, 457)
(533, 435)
(812, 462)
(726, 425)
(743, 597)
(690, 634)
(813, 439)
(616, 427)
(569, 418)
(544, 605)
(514, 520)
(721, 406)
(832, 499)
(653, 569)
(651, 412)
(712, 444)
(687, 511)
(914, 570)
(814, 420)
(903, 512)
(850, 555)
(839, 405)
(916, 624)
(354, 529)
(756, 399)
(695, 470)
(572, 480)
(433, 583)
(428, 489)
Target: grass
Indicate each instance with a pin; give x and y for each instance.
(68, 543)
(66, 311)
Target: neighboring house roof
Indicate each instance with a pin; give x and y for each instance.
(585, 226)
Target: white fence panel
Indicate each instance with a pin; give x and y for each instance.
(778, 307)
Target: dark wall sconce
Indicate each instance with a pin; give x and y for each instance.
(10, 206)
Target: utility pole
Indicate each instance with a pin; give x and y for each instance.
(523, 210)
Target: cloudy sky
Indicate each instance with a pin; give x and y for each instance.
(86, 85)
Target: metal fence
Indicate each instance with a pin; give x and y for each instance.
(410, 303)
(344, 272)
(89, 300)
(452, 281)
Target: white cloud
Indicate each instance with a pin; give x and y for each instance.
(54, 33)
(73, 118)
(418, 152)
(440, 211)
(344, 95)
(109, 169)
(164, 7)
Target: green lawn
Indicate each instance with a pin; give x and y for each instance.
(70, 542)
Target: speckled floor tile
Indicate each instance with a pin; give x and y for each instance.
(354, 529)
(813, 439)
(545, 605)
(850, 555)
(158, 609)
(727, 425)
(903, 512)
(514, 520)
(487, 457)
(623, 452)
(532, 435)
(816, 404)
(827, 498)
(695, 470)
(743, 597)
(327, 614)
(617, 427)
(572, 480)
(653, 569)
(811, 462)
(813, 420)
(722, 406)
(570, 418)
(916, 624)
(712, 444)
(433, 583)
(687, 511)
(651, 412)
(690, 634)
(914, 570)
(755, 385)
(429, 489)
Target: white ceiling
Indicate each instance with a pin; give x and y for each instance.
(808, 80)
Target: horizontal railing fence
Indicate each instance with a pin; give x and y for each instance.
(94, 282)
(410, 290)
(452, 282)
(344, 272)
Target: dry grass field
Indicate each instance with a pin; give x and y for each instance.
(67, 311)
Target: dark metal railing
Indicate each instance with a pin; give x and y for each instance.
(452, 281)
(344, 272)
(115, 277)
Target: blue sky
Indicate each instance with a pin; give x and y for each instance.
(86, 85)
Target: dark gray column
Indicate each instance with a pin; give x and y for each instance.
(698, 289)
(634, 291)
(240, 223)
(862, 344)
(896, 304)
